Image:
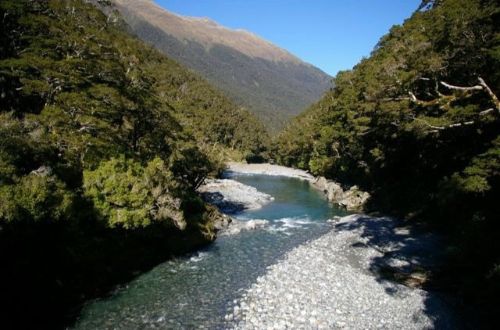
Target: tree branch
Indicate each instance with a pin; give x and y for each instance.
(413, 97)
(460, 88)
(488, 90)
(437, 101)
(442, 128)
(487, 111)
(439, 128)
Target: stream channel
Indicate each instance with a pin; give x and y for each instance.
(196, 291)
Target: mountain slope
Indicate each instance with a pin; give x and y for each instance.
(268, 80)
(103, 142)
(417, 123)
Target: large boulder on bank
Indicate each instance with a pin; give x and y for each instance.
(334, 191)
(353, 199)
(331, 189)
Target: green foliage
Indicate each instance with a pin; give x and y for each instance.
(77, 90)
(425, 150)
(89, 113)
(190, 166)
(204, 112)
(129, 195)
(35, 198)
(364, 128)
(484, 170)
(100, 155)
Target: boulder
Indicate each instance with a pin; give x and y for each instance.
(334, 191)
(354, 199)
(320, 183)
(331, 189)
(222, 222)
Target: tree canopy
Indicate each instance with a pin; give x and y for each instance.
(417, 123)
(103, 143)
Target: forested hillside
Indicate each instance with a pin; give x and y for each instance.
(103, 141)
(267, 80)
(417, 124)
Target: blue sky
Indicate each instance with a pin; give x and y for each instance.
(330, 34)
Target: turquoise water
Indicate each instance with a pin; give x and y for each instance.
(198, 290)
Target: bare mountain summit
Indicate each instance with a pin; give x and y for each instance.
(260, 76)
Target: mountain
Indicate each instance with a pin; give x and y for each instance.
(268, 80)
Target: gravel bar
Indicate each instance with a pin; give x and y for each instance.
(268, 169)
(330, 283)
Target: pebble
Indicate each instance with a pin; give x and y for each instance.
(326, 283)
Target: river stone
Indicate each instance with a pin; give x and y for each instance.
(328, 283)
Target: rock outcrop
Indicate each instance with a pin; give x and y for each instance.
(352, 199)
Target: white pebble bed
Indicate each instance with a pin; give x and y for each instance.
(326, 284)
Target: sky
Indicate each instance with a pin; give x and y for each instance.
(332, 35)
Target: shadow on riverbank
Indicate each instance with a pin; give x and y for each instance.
(410, 256)
(50, 272)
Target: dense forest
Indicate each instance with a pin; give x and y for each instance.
(417, 124)
(103, 142)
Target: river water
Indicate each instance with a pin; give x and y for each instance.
(198, 290)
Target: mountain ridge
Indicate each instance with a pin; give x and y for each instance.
(258, 75)
(267, 51)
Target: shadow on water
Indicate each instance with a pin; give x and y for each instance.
(408, 255)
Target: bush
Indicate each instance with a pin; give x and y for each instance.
(130, 196)
(35, 197)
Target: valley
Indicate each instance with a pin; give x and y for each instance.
(163, 171)
(265, 79)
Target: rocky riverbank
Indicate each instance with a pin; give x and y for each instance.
(352, 199)
(366, 273)
(232, 197)
(333, 282)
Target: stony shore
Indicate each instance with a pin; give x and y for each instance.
(331, 283)
(269, 169)
(232, 197)
(365, 273)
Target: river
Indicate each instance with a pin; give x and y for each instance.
(198, 290)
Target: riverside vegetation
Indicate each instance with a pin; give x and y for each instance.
(103, 142)
(417, 125)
